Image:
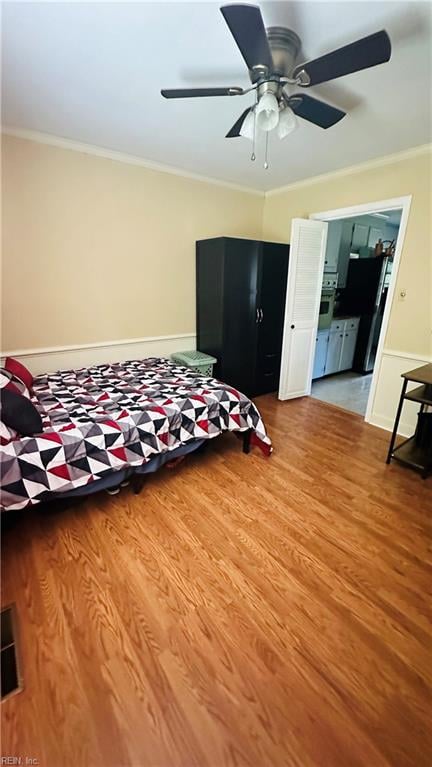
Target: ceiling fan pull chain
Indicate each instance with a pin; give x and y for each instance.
(266, 151)
(253, 155)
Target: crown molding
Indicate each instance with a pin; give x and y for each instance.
(129, 159)
(122, 157)
(378, 162)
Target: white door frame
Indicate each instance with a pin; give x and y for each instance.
(396, 203)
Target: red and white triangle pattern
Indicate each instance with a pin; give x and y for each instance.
(102, 419)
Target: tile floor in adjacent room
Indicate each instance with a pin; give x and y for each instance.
(348, 390)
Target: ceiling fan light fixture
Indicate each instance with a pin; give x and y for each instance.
(287, 122)
(267, 112)
(247, 130)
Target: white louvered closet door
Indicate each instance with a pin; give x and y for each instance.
(305, 270)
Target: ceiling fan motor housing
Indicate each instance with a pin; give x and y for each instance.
(285, 46)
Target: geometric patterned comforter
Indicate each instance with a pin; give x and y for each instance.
(102, 419)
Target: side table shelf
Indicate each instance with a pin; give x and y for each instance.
(417, 450)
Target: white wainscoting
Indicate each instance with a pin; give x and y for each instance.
(389, 385)
(384, 405)
(66, 357)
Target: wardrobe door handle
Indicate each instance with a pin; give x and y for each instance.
(262, 315)
(257, 316)
(292, 327)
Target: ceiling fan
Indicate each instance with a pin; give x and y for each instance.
(270, 56)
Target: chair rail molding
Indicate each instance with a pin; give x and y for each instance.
(50, 359)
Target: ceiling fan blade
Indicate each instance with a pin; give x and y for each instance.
(235, 130)
(187, 93)
(367, 52)
(315, 111)
(247, 27)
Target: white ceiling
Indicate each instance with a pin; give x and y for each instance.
(92, 72)
(392, 217)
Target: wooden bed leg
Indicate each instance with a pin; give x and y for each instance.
(246, 441)
(137, 482)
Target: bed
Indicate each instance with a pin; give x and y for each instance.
(103, 423)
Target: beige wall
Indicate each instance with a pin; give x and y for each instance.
(410, 323)
(98, 250)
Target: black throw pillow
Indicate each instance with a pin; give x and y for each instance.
(19, 413)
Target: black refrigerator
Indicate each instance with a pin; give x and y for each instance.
(365, 296)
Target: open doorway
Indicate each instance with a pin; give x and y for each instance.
(363, 253)
(357, 272)
(304, 296)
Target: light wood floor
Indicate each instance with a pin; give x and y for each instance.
(240, 611)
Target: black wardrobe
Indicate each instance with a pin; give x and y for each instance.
(241, 288)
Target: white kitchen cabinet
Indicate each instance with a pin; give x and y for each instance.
(331, 261)
(337, 325)
(360, 237)
(344, 252)
(347, 352)
(375, 234)
(334, 349)
(331, 257)
(320, 358)
(351, 323)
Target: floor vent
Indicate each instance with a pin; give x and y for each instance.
(10, 678)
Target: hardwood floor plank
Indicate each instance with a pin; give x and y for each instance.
(239, 612)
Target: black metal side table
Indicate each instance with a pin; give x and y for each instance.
(417, 450)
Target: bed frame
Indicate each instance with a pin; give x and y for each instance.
(138, 480)
(135, 479)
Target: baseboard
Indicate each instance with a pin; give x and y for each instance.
(50, 359)
(406, 429)
(389, 385)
